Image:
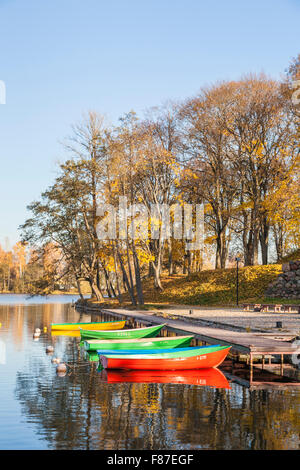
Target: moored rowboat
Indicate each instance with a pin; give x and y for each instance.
(132, 333)
(196, 358)
(161, 352)
(142, 343)
(203, 377)
(107, 325)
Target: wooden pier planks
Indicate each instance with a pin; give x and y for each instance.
(240, 341)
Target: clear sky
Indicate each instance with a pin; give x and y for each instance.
(61, 58)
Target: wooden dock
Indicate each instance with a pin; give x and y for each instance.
(244, 342)
(253, 344)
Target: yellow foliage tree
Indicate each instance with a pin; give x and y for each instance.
(283, 207)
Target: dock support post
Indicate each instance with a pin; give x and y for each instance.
(233, 360)
(251, 369)
(281, 364)
(263, 363)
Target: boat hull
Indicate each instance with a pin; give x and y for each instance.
(143, 343)
(202, 360)
(111, 325)
(161, 352)
(148, 332)
(203, 377)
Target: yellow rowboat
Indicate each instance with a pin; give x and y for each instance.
(108, 325)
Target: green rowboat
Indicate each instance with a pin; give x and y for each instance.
(143, 343)
(174, 354)
(148, 332)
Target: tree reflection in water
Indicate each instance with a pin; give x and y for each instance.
(81, 411)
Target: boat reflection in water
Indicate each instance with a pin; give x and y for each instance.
(91, 356)
(204, 377)
(75, 334)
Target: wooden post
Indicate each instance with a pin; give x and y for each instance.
(281, 364)
(251, 368)
(263, 363)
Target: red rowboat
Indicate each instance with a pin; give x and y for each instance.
(201, 360)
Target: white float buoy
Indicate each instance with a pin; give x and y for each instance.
(36, 333)
(55, 360)
(61, 368)
(49, 349)
(61, 374)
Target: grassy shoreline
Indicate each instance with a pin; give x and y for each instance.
(211, 288)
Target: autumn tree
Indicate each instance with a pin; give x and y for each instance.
(260, 129)
(208, 174)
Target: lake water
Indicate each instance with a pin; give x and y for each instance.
(88, 409)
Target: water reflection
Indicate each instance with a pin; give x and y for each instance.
(85, 410)
(202, 377)
(24, 299)
(74, 334)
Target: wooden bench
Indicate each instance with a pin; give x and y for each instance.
(265, 308)
(277, 308)
(246, 307)
(291, 308)
(255, 307)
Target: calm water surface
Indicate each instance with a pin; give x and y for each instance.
(82, 410)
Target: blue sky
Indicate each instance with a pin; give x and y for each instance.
(59, 59)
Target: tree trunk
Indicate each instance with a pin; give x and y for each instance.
(157, 281)
(184, 266)
(95, 290)
(221, 251)
(117, 277)
(129, 269)
(79, 289)
(250, 241)
(278, 237)
(264, 241)
(138, 281)
(98, 275)
(255, 247)
(170, 258)
(126, 280)
(108, 288)
(189, 262)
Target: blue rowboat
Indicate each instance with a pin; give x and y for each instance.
(121, 352)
